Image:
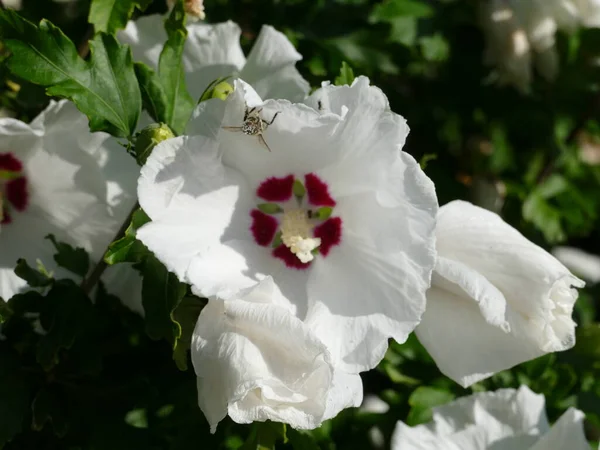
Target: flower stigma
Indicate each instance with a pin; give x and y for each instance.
(296, 231)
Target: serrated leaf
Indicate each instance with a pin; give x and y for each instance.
(346, 76)
(33, 277)
(165, 94)
(112, 15)
(128, 248)
(186, 314)
(73, 259)
(65, 315)
(15, 393)
(161, 294)
(104, 88)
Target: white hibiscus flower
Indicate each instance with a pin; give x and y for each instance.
(522, 32)
(57, 177)
(505, 419)
(227, 212)
(257, 361)
(214, 51)
(496, 299)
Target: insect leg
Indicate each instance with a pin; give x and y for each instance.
(261, 139)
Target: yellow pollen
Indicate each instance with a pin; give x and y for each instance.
(296, 231)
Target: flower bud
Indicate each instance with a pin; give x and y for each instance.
(148, 138)
(194, 8)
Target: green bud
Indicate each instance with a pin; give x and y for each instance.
(270, 208)
(222, 90)
(148, 138)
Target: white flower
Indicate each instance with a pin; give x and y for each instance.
(57, 177)
(519, 32)
(589, 12)
(506, 419)
(369, 203)
(257, 361)
(496, 299)
(583, 264)
(214, 51)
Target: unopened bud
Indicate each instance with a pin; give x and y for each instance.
(148, 138)
(194, 8)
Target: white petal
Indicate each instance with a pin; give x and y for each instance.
(465, 347)
(507, 419)
(271, 70)
(372, 286)
(535, 285)
(211, 52)
(146, 36)
(256, 361)
(566, 433)
(193, 200)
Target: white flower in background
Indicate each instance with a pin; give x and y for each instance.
(496, 299)
(13, 4)
(522, 32)
(586, 265)
(223, 207)
(57, 177)
(214, 51)
(372, 404)
(256, 361)
(194, 8)
(588, 12)
(507, 419)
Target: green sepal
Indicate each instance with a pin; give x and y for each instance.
(270, 208)
(298, 189)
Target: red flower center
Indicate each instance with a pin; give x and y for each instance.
(296, 219)
(13, 187)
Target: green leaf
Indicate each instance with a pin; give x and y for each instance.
(403, 30)
(75, 260)
(186, 315)
(128, 248)
(301, 440)
(269, 208)
(165, 94)
(391, 9)
(161, 294)
(49, 407)
(435, 48)
(15, 393)
(33, 277)
(264, 435)
(422, 400)
(103, 88)
(112, 15)
(426, 159)
(65, 315)
(5, 311)
(346, 76)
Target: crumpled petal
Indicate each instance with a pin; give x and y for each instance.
(256, 361)
(506, 419)
(509, 300)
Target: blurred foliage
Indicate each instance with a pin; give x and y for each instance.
(93, 379)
